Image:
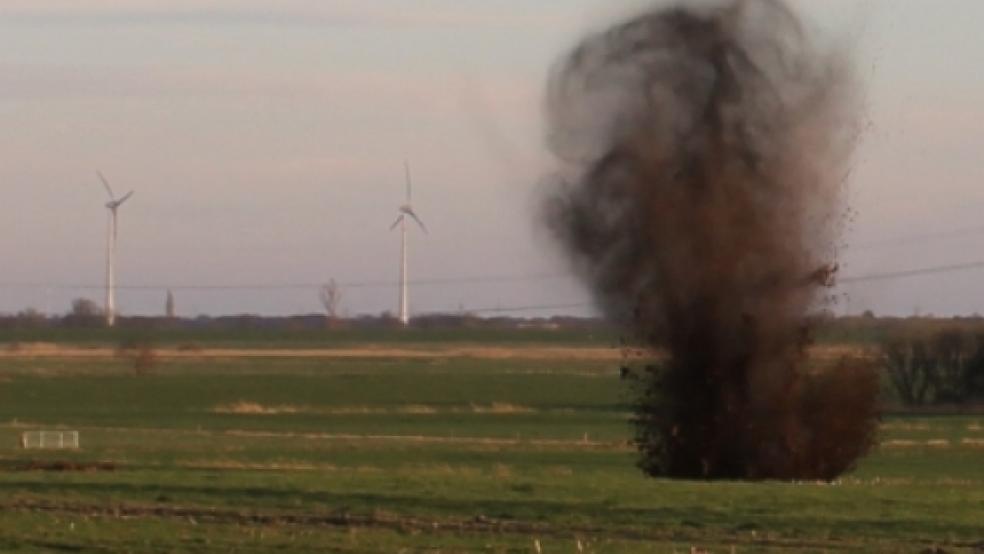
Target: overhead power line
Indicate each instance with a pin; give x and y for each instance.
(882, 276)
(302, 286)
(953, 268)
(543, 307)
(918, 238)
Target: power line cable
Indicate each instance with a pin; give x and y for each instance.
(302, 286)
(933, 270)
(532, 308)
(904, 240)
(953, 268)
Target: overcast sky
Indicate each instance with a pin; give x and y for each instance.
(265, 143)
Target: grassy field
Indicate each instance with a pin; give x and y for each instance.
(288, 337)
(858, 332)
(443, 454)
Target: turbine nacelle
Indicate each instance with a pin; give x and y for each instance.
(113, 204)
(407, 209)
(113, 201)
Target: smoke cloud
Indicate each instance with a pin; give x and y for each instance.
(702, 154)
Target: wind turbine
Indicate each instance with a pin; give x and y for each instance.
(405, 211)
(113, 204)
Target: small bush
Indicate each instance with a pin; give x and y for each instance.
(141, 353)
(145, 360)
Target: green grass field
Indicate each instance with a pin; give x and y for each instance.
(287, 337)
(432, 455)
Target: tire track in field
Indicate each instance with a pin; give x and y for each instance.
(478, 524)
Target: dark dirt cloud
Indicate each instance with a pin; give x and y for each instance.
(702, 154)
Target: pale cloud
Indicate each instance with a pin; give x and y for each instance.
(380, 13)
(433, 94)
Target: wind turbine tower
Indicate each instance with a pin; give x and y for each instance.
(113, 205)
(405, 211)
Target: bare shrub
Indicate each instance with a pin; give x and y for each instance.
(144, 360)
(907, 362)
(140, 353)
(935, 365)
(331, 297)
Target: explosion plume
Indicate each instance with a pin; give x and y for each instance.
(702, 155)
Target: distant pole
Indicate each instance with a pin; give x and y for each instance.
(405, 211)
(111, 269)
(331, 297)
(404, 312)
(169, 305)
(113, 204)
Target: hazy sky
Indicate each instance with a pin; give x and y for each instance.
(265, 142)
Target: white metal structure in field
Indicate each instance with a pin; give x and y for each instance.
(55, 440)
(112, 206)
(405, 211)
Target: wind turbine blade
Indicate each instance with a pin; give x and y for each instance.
(106, 184)
(122, 200)
(419, 222)
(397, 222)
(406, 167)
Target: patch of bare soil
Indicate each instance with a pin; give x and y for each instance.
(907, 443)
(422, 351)
(244, 407)
(254, 408)
(501, 408)
(905, 426)
(271, 466)
(584, 443)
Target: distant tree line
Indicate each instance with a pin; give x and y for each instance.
(926, 361)
(933, 365)
(85, 313)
